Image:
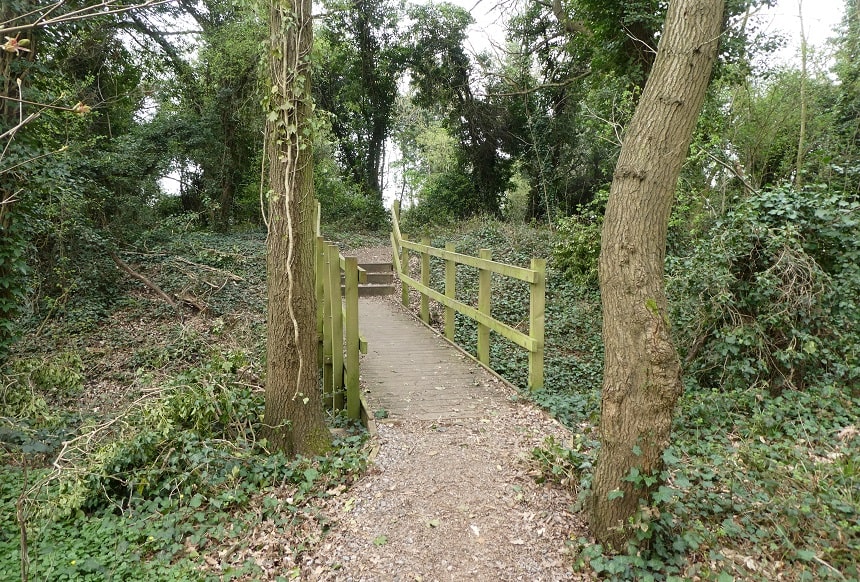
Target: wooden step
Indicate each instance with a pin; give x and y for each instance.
(380, 279)
(376, 267)
(376, 278)
(375, 290)
(371, 290)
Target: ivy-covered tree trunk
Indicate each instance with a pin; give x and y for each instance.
(642, 377)
(294, 414)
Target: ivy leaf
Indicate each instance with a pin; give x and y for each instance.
(805, 555)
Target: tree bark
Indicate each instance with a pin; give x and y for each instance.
(294, 415)
(642, 375)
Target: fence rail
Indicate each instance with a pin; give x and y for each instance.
(337, 326)
(534, 276)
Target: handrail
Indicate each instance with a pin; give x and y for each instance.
(534, 276)
(337, 325)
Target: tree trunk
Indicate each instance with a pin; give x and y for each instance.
(801, 140)
(642, 377)
(294, 414)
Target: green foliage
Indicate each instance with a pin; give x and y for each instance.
(359, 56)
(757, 485)
(758, 493)
(342, 202)
(13, 272)
(769, 294)
(444, 198)
(578, 248)
(58, 376)
(166, 466)
(567, 466)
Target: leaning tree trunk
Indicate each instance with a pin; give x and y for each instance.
(294, 414)
(642, 376)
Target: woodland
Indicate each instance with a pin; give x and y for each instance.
(141, 147)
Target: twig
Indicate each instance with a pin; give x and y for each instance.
(82, 14)
(230, 276)
(734, 171)
(33, 159)
(135, 275)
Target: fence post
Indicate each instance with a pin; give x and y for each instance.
(325, 275)
(484, 282)
(336, 307)
(319, 293)
(404, 266)
(537, 302)
(425, 280)
(351, 280)
(450, 291)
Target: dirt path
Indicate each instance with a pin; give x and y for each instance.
(453, 499)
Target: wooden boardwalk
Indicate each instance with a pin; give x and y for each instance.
(413, 374)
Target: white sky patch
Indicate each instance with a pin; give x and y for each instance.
(821, 21)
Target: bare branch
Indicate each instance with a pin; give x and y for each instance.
(738, 174)
(535, 89)
(135, 275)
(33, 159)
(103, 8)
(569, 24)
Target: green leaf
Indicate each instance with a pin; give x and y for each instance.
(380, 540)
(615, 494)
(311, 475)
(806, 555)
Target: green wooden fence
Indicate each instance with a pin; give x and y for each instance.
(337, 326)
(534, 276)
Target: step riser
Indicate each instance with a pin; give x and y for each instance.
(376, 278)
(372, 290)
(377, 267)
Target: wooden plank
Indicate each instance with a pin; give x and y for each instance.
(425, 280)
(403, 268)
(353, 402)
(362, 273)
(450, 292)
(513, 271)
(537, 303)
(485, 278)
(336, 308)
(500, 328)
(319, 292)
(328, 373)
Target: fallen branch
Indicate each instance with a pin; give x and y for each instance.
(135, 275)
(231, 276)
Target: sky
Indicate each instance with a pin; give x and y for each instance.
(821, 17)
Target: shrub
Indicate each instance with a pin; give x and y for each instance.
(577, 248)
(770, 294)
(342, 202)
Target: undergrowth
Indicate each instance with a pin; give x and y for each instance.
(131, 445)
(759, 484)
